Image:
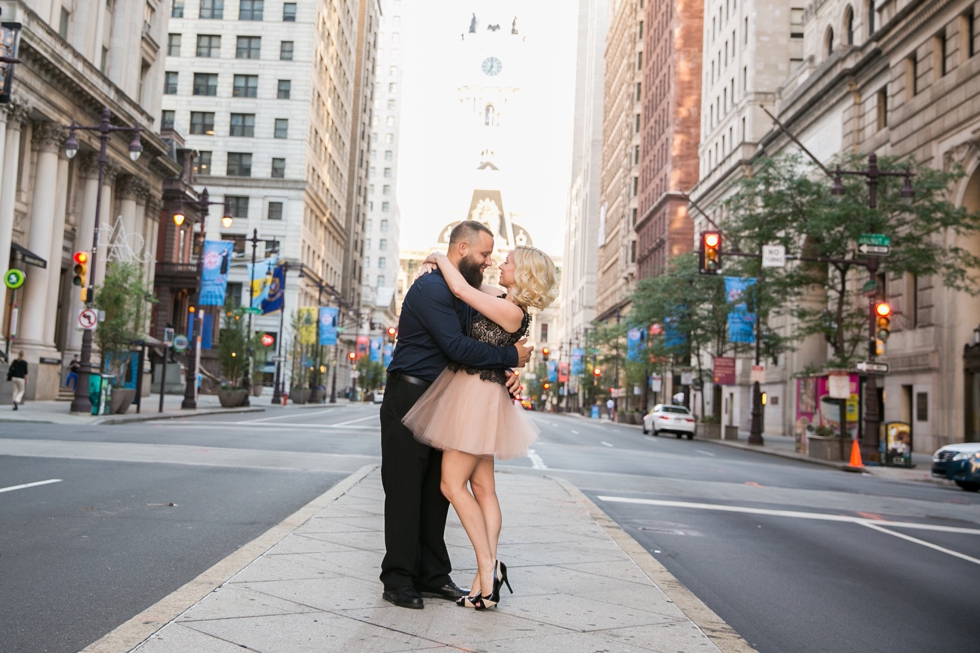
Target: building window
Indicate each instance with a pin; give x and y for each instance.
(383, 244)
(367, 261)
(286, 51)
(282, 128)
(939, 53)
(205, 84)
(384, 206)
(275, 211)
(173, 45)
(544, 332)
(795, 23)
(392, 87)
(385, 190)
(242, 124)
(237, 240)
(202, 122)
(371, 171)
(921, 406)
(871, 17)
(289, 12)
(388, 155)
(169, 83)
(381, 280)
(278, 168)
(65, 22)
(202, 164)
(381, 262)
(285, 87)
(213, 9)
(208, 46)
(245, 86)
(384, 225)
(251, 10)
(237, 206)
(105, 59)
(248, 47)
(967, 38)
(177, 10)
(167, 120)
(367, 224)
(239, 164)
(830, 41)
(912, 76)
(883, 108)
(390, 121)
(389, 138)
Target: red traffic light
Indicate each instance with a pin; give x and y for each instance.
(545, 351)
(80, 258)
(711, 239)
(268, 339)
(352, 356)
(546, 386)
(392, 331)
(597, 372)
(710, 254)
(883, 309)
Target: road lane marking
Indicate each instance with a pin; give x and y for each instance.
(605, 443)
(930, 545)
(27, 485)
(819, 516)
(266, 427)
(574, 431)
(704, 453)
(535, 459)
(269, 419)
(360, 419)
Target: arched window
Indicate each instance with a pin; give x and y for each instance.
(489, 116)
(849, 26)
(830, 41)
(871, 17)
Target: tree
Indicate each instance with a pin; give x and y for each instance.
(787, 201)
(233, 345)
(371, 374)
(124, 299)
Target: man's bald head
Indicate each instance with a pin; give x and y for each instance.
(467, 231)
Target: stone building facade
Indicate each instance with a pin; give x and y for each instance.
(671, 95)
(622, 124)
(77, 60)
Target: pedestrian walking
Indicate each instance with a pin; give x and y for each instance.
(611, 409)
(73, 369)
(17, 375)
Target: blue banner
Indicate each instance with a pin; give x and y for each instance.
(741, 323)
(634, 345)
(672, 336)
(578, 361)
(274, 295)
(552, 371)
(328, 325)
(214, 274)
(261, 279)
(377, 350)
(389, 350)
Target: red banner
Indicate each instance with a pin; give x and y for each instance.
(363, 346)
(562, 372)
(725, 370)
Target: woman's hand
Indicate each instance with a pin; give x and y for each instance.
(425, 269)
(434, 258)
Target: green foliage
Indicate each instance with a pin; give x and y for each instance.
(371, 374)
(125, 300)
(233, 345)
(787, 201)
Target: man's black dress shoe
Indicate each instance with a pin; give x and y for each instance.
(450, 591)
(404, 597)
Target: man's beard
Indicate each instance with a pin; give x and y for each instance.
(472, 271)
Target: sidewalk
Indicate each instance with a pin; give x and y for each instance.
(58, 412)
(580, 583)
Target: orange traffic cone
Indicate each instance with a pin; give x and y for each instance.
(855, 464)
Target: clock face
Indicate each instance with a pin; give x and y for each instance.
(491, 66)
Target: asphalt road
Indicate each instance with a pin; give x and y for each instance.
(781, 550)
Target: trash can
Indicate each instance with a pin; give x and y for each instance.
(897, 442)
(100, 393)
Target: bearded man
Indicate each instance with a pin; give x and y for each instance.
(433, 330)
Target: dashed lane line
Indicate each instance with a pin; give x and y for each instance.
(27, 485)
(704, 453)
(605, 443)
(535, 459)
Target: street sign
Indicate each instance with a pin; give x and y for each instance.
(758, 374)
(880, 240)
(168, 336)
(773, 256)
(181, 343)
(278, 359)
(253, 310)
(88, 318)
(14, 279)
(875, 250)
(873, 366)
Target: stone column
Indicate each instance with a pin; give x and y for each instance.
(88, 171)
(13, 116)
(107, 220)
(55, 254)
(151, 233)
(48, 140)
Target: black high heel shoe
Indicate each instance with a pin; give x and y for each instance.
(487, 602)
(500, 579)
(467, 601)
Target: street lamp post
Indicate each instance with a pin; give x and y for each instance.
(247, 381)
(81, 403)
(872, 173)
(277, 390)
(190, 387)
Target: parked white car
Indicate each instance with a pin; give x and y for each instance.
(379, 396)
(669, 419)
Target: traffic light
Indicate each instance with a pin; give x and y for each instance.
(545, 352)
(546, 386)
(596, 372)
(710, 253)
(883, 313)
(392, 331)
(352, 357)
(80, 279)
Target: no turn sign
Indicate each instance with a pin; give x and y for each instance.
(88, 318)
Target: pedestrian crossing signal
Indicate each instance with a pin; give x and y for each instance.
(80, 279)
(710, 253)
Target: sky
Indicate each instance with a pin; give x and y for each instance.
(432, 169)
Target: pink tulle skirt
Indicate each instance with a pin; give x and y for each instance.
(462, 412)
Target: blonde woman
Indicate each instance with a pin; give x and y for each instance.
(469, 414)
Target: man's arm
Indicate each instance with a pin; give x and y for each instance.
(438, 315)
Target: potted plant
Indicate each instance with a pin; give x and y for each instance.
(123, 299)
(233, 357)
(709, 427)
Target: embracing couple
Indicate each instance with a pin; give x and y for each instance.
(448, 412)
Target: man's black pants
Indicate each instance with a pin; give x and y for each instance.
(415, 509)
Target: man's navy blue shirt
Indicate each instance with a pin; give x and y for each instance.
(432, 331)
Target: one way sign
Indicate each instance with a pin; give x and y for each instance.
(876, 250)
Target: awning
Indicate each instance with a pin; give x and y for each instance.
(28, 256)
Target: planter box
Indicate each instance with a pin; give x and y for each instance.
(300, 395)
(232, 398)
(731, 433)
(121, 400)
(824, 448)
(317, 396)
(709, 431)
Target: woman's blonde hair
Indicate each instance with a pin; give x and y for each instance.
(535, 278)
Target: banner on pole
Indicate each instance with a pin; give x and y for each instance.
(363, 345)
(274, 300)
(552, 371)
(260, 277)
(307, 325)
(578, 361)
(328, 325)
(634, 344)
(741, 323)
(377, 345)
(724, 371)
(214, 272)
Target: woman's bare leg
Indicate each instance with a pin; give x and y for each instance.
(485, 491)
(457, 468)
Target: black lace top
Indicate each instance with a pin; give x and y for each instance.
(488, 331)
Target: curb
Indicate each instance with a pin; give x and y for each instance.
(151, 417)
(714, 627)
(141, 627)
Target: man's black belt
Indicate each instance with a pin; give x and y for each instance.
(405, 378)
